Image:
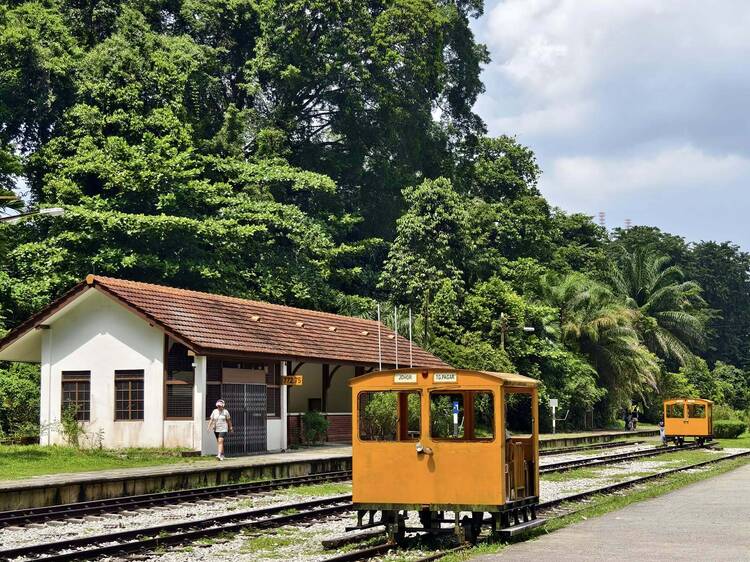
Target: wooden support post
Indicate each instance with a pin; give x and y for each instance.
(325, 383)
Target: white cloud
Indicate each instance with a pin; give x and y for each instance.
(642, 69)
(628, 104)
(586, 180)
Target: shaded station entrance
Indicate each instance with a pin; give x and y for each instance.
(247, 406)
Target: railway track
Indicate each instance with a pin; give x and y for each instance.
(82, 509)
(609, 459)
(553, 509)
(566, 450)
(150, 538)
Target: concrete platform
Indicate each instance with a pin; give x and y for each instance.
(57, 489)
(709, 520)
(549, 441)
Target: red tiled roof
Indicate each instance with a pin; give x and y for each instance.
(210, 323)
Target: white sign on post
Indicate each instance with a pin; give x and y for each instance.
(553, 405)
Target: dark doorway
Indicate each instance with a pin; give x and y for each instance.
(247, 406)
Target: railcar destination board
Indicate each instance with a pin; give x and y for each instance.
(445, 377)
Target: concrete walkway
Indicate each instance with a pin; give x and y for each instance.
(709, 520)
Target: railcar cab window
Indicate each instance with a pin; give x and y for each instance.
(466, 415)
(696, 411)
(518, 418)
(676, 410)
(389, 415)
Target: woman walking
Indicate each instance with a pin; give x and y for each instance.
(221, 423)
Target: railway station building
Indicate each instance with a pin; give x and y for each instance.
(142, 365)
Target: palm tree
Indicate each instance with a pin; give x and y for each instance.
(593, 322)
(669, 308)
(9, 200)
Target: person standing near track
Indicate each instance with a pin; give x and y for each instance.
(221, 424)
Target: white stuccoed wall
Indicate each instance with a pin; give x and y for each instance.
(100, 335)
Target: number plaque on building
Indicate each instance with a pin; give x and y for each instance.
(294, 380)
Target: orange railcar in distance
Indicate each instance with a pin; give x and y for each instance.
(688, 417)
(435, 442)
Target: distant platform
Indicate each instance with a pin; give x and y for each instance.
(55, 489)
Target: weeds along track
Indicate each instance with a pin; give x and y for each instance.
(550, 510)
(150, 538)
(609, 459)
(80, 509)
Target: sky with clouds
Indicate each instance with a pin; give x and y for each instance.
(639, 108)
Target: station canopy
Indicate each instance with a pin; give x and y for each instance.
(210, 324)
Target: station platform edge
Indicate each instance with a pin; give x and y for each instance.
(55, 489)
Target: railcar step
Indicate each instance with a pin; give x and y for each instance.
(514, 530)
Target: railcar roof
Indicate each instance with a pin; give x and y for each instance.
(509, 379)
(701, 400)
(513, 378)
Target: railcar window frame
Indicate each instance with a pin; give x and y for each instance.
(695, 406)
(401, 430)
(670, 409)
(469, 421)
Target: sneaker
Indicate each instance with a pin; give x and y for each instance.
(218, 457)
(221, 457)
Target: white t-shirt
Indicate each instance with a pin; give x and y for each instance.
(220, 420)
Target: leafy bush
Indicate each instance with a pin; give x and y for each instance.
(315, 426)
(71, 428)
(19, 398)
(729, 429)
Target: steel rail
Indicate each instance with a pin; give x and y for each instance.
(591, 447)
(80, 509)
(610, 459)
(148, 538)
(633, 481)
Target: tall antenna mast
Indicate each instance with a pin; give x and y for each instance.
(411, 354)
(380, 347)
(395, 325)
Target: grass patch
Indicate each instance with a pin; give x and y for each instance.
(575, 474)
(23, 461)
(269, 544)
(324, 489)
(601, 505)
(743, 441)
(671, 460)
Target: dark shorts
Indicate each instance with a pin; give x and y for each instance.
(222, 434)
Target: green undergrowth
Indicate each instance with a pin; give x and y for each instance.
(603, 504)
(23, 461)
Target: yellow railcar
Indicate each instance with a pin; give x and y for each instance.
(445, 441)
(688, 417)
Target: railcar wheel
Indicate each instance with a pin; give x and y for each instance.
(701, 441)
(396, 528)
(471, 527)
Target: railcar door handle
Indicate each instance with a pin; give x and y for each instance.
(422, 450)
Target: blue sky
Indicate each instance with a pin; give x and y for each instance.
(638, 108)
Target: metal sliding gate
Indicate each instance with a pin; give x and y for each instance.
(247, 406)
